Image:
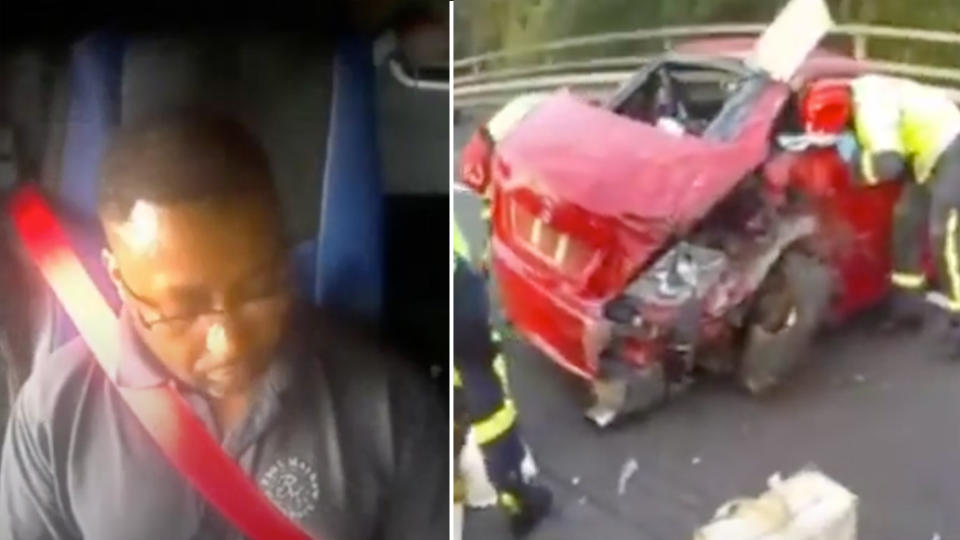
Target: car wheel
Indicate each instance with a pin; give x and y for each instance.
(787, 311)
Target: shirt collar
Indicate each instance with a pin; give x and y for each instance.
(280, 376)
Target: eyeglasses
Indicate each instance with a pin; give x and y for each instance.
(258, 295)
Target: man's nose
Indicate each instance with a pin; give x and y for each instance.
(223, 340)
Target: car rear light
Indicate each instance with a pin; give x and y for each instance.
(560, 250)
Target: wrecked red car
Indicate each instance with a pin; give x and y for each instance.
(683, 225)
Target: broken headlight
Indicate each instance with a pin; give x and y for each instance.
(685, 271)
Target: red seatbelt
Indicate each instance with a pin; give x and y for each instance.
(165, 414)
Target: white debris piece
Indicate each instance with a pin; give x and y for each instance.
(807, 506)
(626, 472)
(528, 467)
(671, 126)
(790, 38)
(859, 378)
(936, 536)
(575, 480)
(696, 460)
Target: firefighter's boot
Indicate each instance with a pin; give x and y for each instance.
(952, 337)
(527, 504)
(906, 310)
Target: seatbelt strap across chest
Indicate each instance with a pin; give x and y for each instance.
(180, 434)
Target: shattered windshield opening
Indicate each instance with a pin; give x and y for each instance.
(679, 97)
(728, 122)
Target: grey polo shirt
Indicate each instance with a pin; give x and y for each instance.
(340, 437)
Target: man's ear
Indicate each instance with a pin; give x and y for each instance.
(110, 263)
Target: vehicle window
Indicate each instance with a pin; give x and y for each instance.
(735, 110)
(690, 95)
(705, 90)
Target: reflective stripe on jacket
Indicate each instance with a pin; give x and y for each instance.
(460, 247)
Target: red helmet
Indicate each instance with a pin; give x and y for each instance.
(826, 106)
(475, 162)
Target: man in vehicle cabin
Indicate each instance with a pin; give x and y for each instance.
(335, 431)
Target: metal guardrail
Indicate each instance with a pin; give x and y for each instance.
(492, 78)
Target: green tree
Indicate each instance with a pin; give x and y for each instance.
(510, 24)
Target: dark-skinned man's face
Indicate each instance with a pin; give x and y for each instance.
(213, 275)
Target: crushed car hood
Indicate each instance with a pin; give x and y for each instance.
(612, 166)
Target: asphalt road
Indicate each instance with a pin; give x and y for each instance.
(879, 413)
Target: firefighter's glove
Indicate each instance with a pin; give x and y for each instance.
(848, 148)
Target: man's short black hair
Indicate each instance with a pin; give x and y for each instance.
(182, 156)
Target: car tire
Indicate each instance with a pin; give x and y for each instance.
(780, 332)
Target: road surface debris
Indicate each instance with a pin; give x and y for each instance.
(626, 472)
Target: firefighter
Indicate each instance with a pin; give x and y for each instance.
(482, 400)
(905, 130)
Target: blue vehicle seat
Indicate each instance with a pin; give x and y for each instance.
(320, 133)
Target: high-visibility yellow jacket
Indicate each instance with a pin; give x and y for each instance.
(903, 116)
(460, 246)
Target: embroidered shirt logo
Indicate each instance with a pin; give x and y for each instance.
(292, 485)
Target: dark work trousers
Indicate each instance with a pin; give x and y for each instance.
(945, 222)
(910, 234)
(481, 393)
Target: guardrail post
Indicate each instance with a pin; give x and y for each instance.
(860, 47)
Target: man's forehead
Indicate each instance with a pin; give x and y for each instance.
(139, 232)
(193, 237)
(149, 221)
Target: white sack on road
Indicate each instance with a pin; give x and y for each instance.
(807, 506)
